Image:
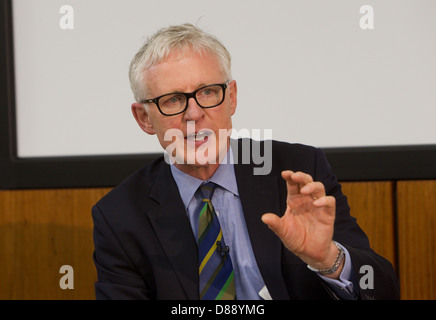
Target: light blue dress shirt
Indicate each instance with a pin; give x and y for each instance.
(248, 280)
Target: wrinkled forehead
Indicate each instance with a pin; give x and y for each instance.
(178, 53)
(183, 63)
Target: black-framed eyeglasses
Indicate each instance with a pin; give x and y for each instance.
(174, 103)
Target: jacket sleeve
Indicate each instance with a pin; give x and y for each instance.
(366, 263)
(116, 275)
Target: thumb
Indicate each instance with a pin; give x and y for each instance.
(273, 222)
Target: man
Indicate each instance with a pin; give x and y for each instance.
(158, 235)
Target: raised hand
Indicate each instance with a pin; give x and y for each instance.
(306, 228)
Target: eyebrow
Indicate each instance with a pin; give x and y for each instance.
(202, 84)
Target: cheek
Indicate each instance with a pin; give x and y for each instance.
(168, 130)
(224, 119)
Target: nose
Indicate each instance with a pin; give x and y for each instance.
(193, 112)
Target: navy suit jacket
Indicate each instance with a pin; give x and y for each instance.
(145, 248)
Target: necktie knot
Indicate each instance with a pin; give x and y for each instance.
(207, 190)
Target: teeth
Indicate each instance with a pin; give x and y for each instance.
(200, 136)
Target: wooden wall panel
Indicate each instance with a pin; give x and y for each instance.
(372, 204)
(41, 230)
(417, 238)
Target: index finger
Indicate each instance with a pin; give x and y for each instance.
(301, 178)
(295, 181)
(292, 186)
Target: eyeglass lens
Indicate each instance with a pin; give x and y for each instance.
(206, 97)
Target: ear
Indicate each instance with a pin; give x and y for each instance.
(142, 118)
(233, 96)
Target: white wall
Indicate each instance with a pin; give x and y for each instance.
(305, 69)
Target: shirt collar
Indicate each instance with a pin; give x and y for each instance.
(224, 176)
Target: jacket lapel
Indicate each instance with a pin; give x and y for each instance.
(259, 194)
(172, 227)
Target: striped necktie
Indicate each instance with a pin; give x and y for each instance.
(215, 269)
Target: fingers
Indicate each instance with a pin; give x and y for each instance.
(315, 189)
(296, 177)
(293, 186)
(326, 202)
(302, 183)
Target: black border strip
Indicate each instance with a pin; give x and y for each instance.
(349, 164)
(416, 162)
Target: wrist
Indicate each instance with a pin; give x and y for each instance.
(333, 266)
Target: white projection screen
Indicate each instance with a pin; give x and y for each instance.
(338, 73)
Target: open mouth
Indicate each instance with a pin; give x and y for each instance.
(201, 135)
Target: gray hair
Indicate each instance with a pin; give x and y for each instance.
(178, 37)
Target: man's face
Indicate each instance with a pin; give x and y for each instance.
(186, 73)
